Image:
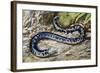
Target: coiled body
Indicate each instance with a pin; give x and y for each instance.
(51, 36)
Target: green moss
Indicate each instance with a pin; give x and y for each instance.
(68, 18)
(65, 19)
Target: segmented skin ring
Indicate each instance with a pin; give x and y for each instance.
(52, 36)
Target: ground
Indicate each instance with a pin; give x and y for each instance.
(39, 21)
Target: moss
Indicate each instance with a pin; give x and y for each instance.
(65, 19)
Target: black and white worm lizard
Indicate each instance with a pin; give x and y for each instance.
(51, 36)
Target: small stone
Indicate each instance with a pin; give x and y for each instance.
(25, 31)
(25, 38)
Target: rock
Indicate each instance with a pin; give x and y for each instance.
(25, 31)
(88, 34)
(68, 53)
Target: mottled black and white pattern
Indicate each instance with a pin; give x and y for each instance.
(72, 40)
